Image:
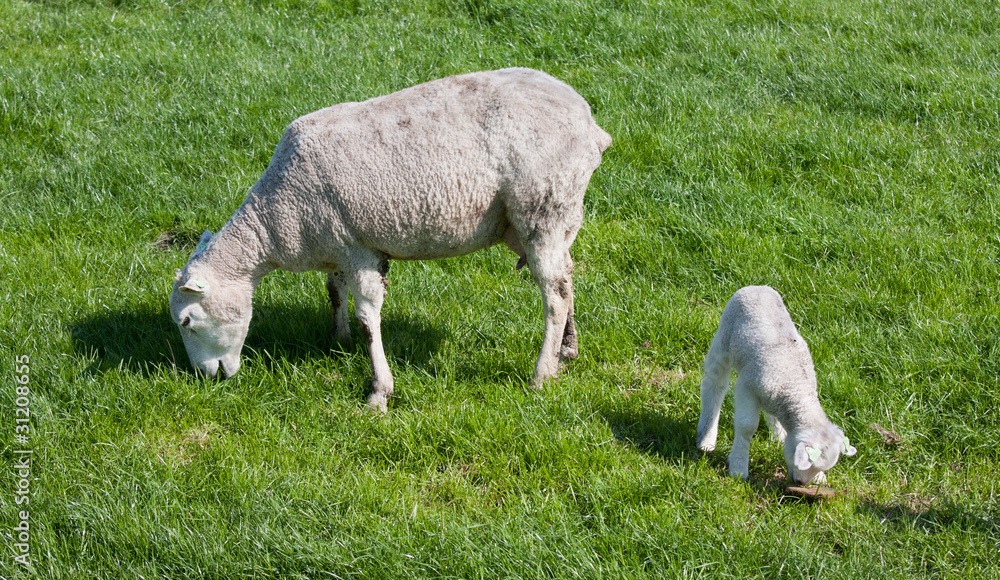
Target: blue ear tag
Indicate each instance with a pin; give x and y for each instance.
(201, 247)
(813, 454)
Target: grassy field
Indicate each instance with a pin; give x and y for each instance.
(844, 152)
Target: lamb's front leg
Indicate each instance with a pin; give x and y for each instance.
(746, 417)
(336, 288)
(369, 287)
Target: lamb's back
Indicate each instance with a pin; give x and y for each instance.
(763, 340)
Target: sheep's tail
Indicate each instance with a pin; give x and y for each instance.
(601, 138)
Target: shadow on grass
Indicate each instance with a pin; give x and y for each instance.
(652, 432)
(930, 516)
(145, 341)
(142, 340)
(488, 366)
(673, 440)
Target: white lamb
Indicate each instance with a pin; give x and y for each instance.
(758, 339)
(440, 169)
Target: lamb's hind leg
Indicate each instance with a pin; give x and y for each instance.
(368, 284)
(778, 432)
(336, 288)
(714, 386)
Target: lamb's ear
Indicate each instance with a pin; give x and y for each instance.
(206, 237)
(195, 286)
(805, 456)
(848, 450)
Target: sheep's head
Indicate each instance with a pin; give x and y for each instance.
(213, 316)
(814, 451)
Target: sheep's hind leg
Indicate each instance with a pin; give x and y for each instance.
(549, 270)
(369, 286)
(336, 288)
(569, 348)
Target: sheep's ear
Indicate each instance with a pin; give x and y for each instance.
(848, 450)
(206, 237)
(805, 456)
(195, 286)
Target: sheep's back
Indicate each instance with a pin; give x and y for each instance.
(437, 169)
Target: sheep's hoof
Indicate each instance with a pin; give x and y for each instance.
(569, 348)
(538, 383)
(341, 337)
(378, 403)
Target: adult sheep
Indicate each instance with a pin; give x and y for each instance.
(440, 169)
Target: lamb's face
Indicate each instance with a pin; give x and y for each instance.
(814, 452)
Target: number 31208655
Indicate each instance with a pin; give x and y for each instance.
(22, 401)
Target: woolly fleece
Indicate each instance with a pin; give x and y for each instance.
(440, 169)
(758, 340)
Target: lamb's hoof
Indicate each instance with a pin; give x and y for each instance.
(378, 403)
(707, 447)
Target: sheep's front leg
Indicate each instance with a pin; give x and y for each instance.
(336, 288)
(369, 288)
(746, 417)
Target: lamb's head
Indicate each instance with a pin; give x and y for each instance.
(213, 315)
(813, 451)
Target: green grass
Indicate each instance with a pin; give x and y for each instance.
(844, 152)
